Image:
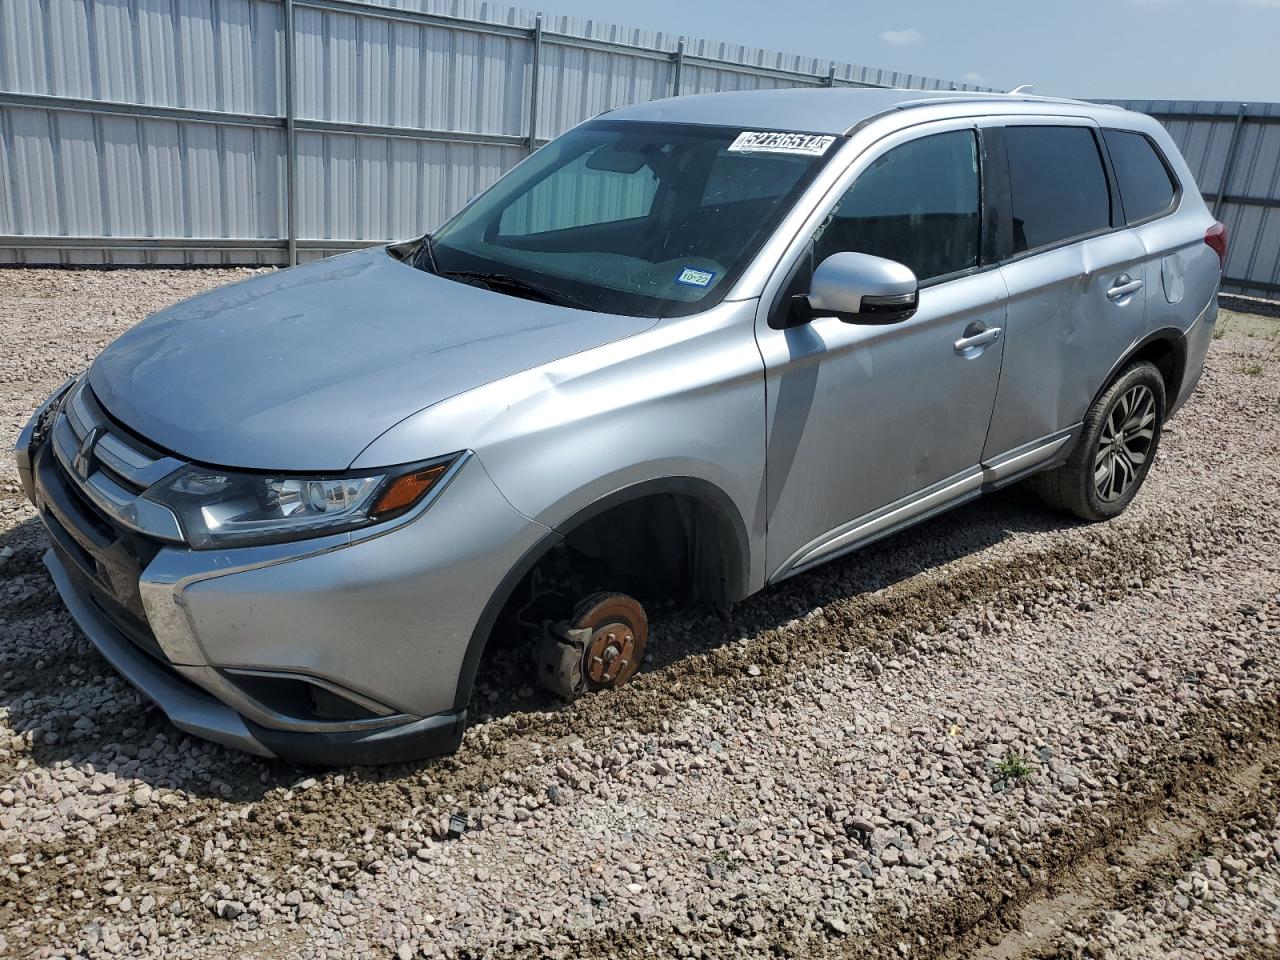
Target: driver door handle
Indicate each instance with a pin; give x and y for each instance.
(1123, 286)
(989, 335)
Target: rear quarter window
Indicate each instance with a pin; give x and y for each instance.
(1147, 189)
(1058, 185)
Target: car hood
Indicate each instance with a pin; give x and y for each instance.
(301, 369)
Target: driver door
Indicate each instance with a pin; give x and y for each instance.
(871, 426)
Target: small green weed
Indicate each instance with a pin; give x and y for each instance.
(1013, 768)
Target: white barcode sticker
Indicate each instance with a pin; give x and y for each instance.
(802, 144)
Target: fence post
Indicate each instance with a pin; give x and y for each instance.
(290, 139)
(679, 68)
(1233, 148)
(535, 73)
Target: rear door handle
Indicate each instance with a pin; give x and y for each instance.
(989, 335)
(1123, 286)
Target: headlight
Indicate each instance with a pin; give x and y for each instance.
(220, 508)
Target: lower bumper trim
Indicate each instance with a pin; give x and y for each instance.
(431, 736)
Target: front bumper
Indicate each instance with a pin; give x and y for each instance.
(243, 646)
(194, 710)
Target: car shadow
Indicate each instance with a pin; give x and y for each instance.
(45, 659)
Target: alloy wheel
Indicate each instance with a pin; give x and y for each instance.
(1125, 443)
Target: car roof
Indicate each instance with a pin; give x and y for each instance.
(831, 110)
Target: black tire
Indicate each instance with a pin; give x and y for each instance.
(1101, 477)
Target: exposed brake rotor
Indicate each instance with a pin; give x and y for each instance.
(619, 630)
(601, 646)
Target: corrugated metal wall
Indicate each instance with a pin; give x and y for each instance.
(1234, 151)
(154, 131)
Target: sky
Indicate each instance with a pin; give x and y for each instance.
(1117, 49)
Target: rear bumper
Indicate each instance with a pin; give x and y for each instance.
(1196, 342)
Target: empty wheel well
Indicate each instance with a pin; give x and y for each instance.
(659, 546)
(669, 540)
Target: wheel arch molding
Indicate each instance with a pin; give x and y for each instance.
(1166, 349)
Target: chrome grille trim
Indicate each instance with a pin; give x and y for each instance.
(131, 465)
(110, 460)
(77, 412)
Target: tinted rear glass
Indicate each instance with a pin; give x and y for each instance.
(1145, 185)
(1058, 185)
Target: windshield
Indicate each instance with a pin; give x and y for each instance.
(643, 219)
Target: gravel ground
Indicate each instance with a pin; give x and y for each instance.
(891, 756)
(1225, 904)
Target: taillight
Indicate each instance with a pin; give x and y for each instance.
(1216, 237)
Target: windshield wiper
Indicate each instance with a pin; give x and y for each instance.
(517, 286)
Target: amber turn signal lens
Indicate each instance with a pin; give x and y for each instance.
(405, 491)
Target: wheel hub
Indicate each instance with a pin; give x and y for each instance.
(609, 653)
(619, 629)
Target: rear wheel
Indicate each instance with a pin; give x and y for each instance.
(1117, 444)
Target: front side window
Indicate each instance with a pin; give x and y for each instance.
(1146, 187)
(918, 204)
(1058, 185)
(635, 218)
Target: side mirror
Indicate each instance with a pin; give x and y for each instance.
(860, 288)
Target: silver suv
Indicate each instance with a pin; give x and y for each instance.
(692, 347)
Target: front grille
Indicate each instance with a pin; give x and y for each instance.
(108, 468)
(103, 556)
(100, 520)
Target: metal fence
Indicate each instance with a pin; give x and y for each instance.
(265, 131)
(1234, 151)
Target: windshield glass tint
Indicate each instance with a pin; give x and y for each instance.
(633, 218)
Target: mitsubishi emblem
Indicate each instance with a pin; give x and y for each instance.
(84, 455)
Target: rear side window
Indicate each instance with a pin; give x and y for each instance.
(1058, 185)
(918, 204)
(1146, 188)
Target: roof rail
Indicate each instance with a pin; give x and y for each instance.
(936, 100)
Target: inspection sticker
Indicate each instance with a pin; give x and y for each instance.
(804, 144)
(695, 278)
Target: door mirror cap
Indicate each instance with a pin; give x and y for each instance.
(860, 288)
